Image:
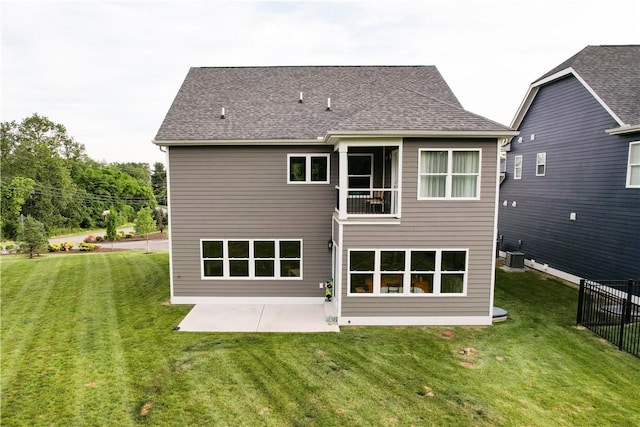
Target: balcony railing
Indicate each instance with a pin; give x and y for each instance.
(370, 201)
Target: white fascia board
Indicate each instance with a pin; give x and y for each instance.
(333, 136)
(533, 90)
(524, 107)
(201, 142)
(623, 130)
(364, 141)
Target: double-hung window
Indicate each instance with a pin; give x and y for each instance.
(541, 164)
(251, 259)
(360, 173)
(308, 168)
(517, 167)
(409, 272)
(633, 169)
(449, 174)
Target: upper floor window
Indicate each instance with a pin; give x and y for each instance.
(251, 259)
(360, 173)
(517, 167)
(308, 168)
(449, 174)
(541, 164)
(633, 169)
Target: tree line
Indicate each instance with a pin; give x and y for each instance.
(45, 174)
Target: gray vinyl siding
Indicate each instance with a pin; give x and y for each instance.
(433, 224)
(586, 174)
(242, 192)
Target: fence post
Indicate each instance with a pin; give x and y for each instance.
(580, 303)
(626, 313)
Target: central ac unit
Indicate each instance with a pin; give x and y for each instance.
(514, 260)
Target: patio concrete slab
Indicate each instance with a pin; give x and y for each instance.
(257, 318)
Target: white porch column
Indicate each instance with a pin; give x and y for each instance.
(343, 164)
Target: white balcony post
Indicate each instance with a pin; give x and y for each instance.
(343, 164)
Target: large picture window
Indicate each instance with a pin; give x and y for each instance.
(251, 259)
(449, 174)
(308, 168)
(633, 170)
(409, 272)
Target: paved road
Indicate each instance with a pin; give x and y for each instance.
(154, 245)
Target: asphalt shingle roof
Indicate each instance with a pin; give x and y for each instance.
(613, 72)
(261, 103)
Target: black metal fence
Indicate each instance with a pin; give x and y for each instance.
(611, 309)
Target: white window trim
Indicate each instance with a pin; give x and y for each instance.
(406, 291)
(630, 165)
(449, 174)
(515, 167)
(251, 259)
(308, 157)
(543, 164)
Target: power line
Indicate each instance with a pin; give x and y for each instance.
(83, 194)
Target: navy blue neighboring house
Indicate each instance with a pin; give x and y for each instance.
(570, 195)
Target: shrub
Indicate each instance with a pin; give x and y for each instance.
(62, 246)
(10, 247)
(86, 247)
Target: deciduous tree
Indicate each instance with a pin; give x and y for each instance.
(13, 198)
(112, 226)
(144, 224)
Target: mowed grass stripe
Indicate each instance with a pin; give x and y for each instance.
(25, 291)
(102, 394)
(145, 324)
(385, 375)
(48, 356)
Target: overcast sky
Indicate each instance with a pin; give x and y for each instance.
(109, 70)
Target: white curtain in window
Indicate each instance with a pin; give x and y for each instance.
(465, 165)
(433, 168)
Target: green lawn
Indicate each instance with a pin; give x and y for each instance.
(87, 340)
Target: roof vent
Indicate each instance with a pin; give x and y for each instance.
(328, 104)
(222, 116)
(301, 98)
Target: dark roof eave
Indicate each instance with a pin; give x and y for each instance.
(193, 142)
(332, 136)
(623, 130)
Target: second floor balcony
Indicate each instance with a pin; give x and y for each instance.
(371, 201)
(369, 179)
